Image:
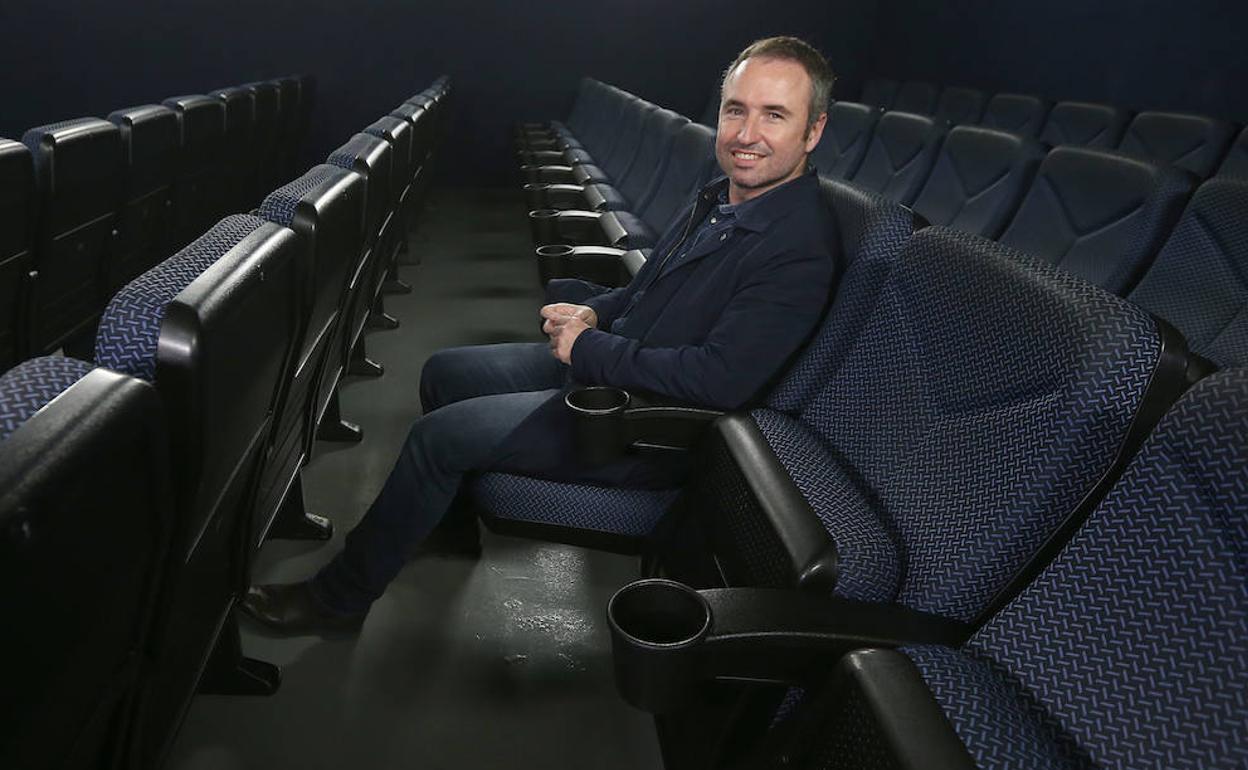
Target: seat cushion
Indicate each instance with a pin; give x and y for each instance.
(615, 511)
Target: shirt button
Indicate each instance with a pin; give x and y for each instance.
(724, 237)
(714, 220)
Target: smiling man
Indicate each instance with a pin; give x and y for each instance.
(728, 297)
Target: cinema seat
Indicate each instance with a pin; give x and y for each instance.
(1193, 142)
(79, 170)
(268, 173)
(151, 146)
(289, 114)
(240, 148)
(86, 508)
(1098, 214)
(1016, 113)
(958, 106)
(1199, 281)
(398, 132)
(1236, 162)
(978, 180)
(213, 328)
(1126, 652)
(17, 214)
(879, 93)
(1084, 124)
(199, 188)
(915, 97)
(846, 136)
(901, 153)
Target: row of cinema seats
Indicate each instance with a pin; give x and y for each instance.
(135, 491)
(992, 516)
(88, 204)
(1130, 226)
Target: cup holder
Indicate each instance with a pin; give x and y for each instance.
(534, 195)
(657, 628)
(599, 422)
(542, 224)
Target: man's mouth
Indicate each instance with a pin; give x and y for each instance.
(743, 155)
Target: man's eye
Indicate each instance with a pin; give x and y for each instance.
(775, 116)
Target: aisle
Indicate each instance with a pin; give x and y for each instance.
(502, 662)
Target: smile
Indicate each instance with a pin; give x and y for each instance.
(746, 155)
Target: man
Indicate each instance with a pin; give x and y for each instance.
(726, 299)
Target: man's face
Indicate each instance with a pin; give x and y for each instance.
(762, 139)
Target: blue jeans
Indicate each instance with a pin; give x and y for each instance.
(472, 397)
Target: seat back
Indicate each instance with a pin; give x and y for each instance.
(879, 93)
(845, 138)
(621, 160)
(268, 174)
(1131, 649)
(151, 146)
(1236, 162)
(182, 325)
(17, 217)
(1193, 142)
(1098, 214)
(640, 181)
(398, 132)
(1016, 113)
(959, 106)
(686, 171)
(289, 110)
(199, 188)
(1084, 124)
(240, 147)
(600, 135)
(979, 179)
(414, 115)
(1199, 281)
(589, 98)
(900, 156)
(86, 508)
(78, 180)
(916, 97)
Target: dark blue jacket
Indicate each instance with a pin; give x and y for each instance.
(716, 328)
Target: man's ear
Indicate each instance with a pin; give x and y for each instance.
(816, 132)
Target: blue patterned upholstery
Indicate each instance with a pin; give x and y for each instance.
(1236, 162)
(281, 204)
(629, 512)
(130, 328)
(845, 138)
(1131, 649)
(1199, 281)
(29, 386)
(980, 402)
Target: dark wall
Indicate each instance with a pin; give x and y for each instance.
(1142, 54)
(511, 61)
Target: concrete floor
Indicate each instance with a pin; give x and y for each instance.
(501, 662)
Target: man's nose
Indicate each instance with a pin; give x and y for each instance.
(748, 133)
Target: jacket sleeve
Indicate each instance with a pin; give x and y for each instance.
(608, 305)
(772, 313)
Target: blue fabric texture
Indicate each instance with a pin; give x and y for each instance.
(629, 512)
(281, 204)
(1131, 649)
(29, 386)
(130, 327)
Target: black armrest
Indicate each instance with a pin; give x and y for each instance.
(564, 197)
(668, 639)
(551, 174)
(598, 264)
(542, 157)
(654, 422)
(581, 228)
(634, 260)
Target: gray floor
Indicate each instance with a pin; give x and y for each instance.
(502, 662)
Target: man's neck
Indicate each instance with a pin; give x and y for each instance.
(737, 195)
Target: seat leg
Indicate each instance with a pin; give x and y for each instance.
(378, 318)
(229, 672)
(394, 284)
(334, 428)
(294, 522)
(361, 365)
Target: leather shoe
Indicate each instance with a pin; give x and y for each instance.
(291, 609)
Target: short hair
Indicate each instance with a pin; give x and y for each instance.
(793, 49)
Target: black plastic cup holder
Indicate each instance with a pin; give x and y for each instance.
(534, 197)
(599, 422)
(542, 225)
(657, 629)
(552, 261)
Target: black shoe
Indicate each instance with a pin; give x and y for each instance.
(291, 609)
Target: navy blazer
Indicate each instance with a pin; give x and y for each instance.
(716, 328)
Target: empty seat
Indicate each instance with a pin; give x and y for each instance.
(1199, 281)
(960, 105)
(1193, 142)
(916, 97)
(199, 189)
(901, 153)
(634, 185)
(1016, 113)
(978, 180)
(150, 141)
(879, 93)
(398, 132)
(213, 328)
(1236, 162)
(17, 215)
(79, 169)
(86, 512)
(710, 113)
(846, 136)
(268, 174)
(1099, 214)
(289, 112)
(326, 208)
(241, 148)
(1128, 651)
(1085, 124)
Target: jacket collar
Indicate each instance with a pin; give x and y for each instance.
(757, 214)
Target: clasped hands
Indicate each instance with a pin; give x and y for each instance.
(564, 323)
